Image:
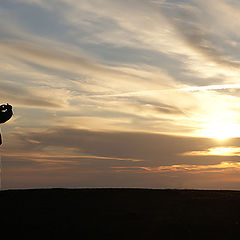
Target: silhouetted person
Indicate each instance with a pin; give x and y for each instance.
(5, 114)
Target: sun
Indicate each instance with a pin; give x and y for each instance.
(221, 130)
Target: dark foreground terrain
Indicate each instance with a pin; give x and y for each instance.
(120, 214)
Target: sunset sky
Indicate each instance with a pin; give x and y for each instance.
(128, 93)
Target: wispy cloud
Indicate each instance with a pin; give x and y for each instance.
(213, 87)
(188, 168)
(138, 89)
(26, 96)
(217, 151)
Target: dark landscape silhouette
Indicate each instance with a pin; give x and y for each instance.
(120, 213)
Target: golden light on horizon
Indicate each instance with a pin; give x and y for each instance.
(221, 130)
(224, 151)
(216, 151)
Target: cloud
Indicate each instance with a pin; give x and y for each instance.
(213, 87)
(40, 3)
(64, 60)
(23, 95)
(39, 55)
(190, 168)
(78, 157)
(72, 77)
(168, 110)
(217, 151)
(153, 149)
(176, 29)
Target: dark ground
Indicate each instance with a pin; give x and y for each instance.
(120, 214)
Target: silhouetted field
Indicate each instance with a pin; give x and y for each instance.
(120, 214)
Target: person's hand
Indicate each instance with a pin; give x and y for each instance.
(4, 107)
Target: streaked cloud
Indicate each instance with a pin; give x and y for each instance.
(223, 166)
(213, 87)
(217, 151)
(152, 149)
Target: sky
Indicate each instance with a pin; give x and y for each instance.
(130, 93)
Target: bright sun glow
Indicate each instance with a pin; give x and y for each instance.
(224, 151)
(221, 130)
(217, 151)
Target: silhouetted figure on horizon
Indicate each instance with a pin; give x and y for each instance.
(5, 114)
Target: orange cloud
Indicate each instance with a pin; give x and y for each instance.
(216, 151)
(185, 168)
